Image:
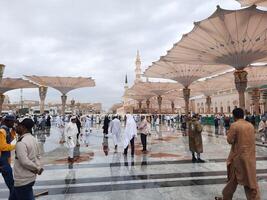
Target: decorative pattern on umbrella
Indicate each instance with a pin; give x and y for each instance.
(8, 84)
(154, 88)
(184, 74)
(212, 85)
(230, 37)
(257, 76)
(63, 84)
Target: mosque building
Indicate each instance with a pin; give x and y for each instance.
(131, 106)
(221, 102)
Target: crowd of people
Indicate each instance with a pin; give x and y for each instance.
(76, 131)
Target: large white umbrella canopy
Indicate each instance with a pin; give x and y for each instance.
(146, 90)
(8, 84)
(228, 37)
(156, 88)
(210, 86)
(257, 76)
(231, 37)
(62, 84)
(185, 74)
(252, 2)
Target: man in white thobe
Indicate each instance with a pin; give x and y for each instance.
(115, 130)
(263, 129)
(88, 124)
(129, 134)
(71, 131)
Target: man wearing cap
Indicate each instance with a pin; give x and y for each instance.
(7, 135)
(27, 161)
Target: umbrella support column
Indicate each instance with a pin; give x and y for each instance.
(256, 100)
(140, 106)
(147, 105)
(241, 82)
(64, 100)
(2, 98)
(173, 107)
(159, 103)
(186, 93)
(42, 94)
(208, 103)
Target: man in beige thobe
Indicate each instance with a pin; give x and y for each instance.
(241, 162)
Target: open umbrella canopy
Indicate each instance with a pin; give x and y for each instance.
(174, 95)
(210, 86)
(137, 93)
(155, 88)
(8, 84)
(229, 37)
(114, 107)
(252, 2)
(184, 74)
(63, 84)
(257, 76)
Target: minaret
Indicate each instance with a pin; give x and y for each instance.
(138, 71)
(125, 99)
(126, 83)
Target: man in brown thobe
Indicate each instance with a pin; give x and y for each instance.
(241, 162)
(195, 138)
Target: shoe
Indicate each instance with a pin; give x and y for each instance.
(194, 160)
(199, 160)
(144, 151)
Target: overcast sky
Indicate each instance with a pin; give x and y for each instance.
(98, 39)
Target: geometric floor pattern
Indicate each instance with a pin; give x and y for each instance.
(164, 173)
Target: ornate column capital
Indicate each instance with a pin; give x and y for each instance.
(208, 100)
(241, 80)
(159, 99)
(186, 93)
(147, 102)
(64, 98)
(42, 92)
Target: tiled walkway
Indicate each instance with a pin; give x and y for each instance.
(164, 173)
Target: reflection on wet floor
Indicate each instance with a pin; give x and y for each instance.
(164, 172)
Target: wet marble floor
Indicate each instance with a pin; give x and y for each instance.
(164, 173)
